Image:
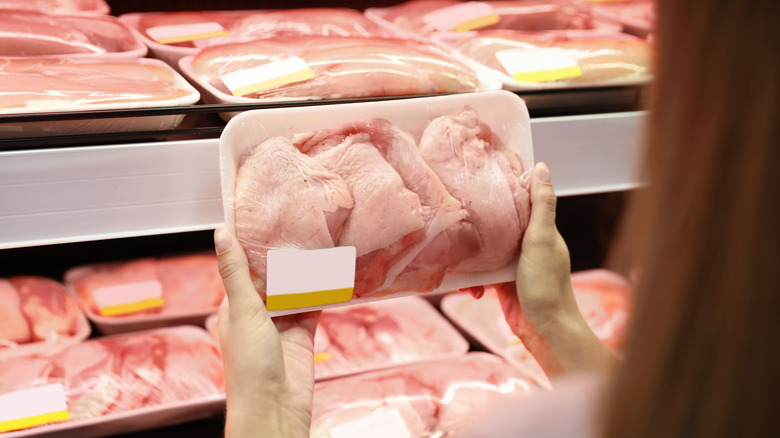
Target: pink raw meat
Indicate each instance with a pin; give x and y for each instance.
(24, 372)
(14, 328)
(484, 174)
(305, 22)
(343, 67)
(30, 33)
(51, 311)
(191, 282)
(433, 398)
(285, 199)
(57, 6)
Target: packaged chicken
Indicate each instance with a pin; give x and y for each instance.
(424, 18)
(69, 7)
(572, 59)
(638, 17)
(378, 199)
(173, 35)
(306, 68)
(417, 401)
(36, 312)
(34, 33)
(373, 336)
(35, 86)
(604, 299)
(115, 384)
(149, 292)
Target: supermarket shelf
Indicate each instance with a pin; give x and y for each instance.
(50, 196)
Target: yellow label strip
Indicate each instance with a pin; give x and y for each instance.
(549, 75)
(321, 357)
(477, 23)
(36, 420)
(298, 76)
(122, 309)
(308, 299)
(195, 36)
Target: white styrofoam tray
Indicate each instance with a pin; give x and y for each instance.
(504, 112)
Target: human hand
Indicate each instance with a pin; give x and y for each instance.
(269, 363)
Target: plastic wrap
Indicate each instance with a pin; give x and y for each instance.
(604, 299)
(125, 383)
(337, 67)
(48, 85)
(190, 287)
(637, 16)
(432, 399)
(380, 335)
(413, 17)
(35, 312)
(81, 7)
(380, 177)
(560, 59)
(33, 33)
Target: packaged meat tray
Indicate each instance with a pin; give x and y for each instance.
(38, 86)
(174, 35)
(434, 399)
(604, 299)
(36, 312)
(372, 336)
(425, 18)
(69, 7)
(146, 293)
(327, 68)
(117, 384)
(638, 17)
(567, 59)
(387, 198)
(33, 33)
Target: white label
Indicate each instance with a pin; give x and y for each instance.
(273, 74)
(539, 65)
(33, 406)
(185, 32)
(471, 14)
(386, 423)
(128, 297)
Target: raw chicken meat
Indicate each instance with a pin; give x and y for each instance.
(343, 67)
(433, 399)
(189, 283)
(36, 309)
(52, 84)
(485, 175)
(31, 33)
(401, 206)
(117, 374)
(602, 58)
(58, 6)
(285, 199)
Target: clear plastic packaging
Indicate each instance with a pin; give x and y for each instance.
(604, 299)
(339, 67)
(36, 312)
(638, 17)
(380, 177)
(374, 336)
(125, 383)
(190, 287)
(425, 400)
(34, 33)
(415, 17)
(76, 7)
(34, 86)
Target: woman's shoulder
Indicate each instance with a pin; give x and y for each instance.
(569, 410)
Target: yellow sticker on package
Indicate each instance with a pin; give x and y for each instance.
(462, 17)
(274, 74)
(180, 33)
(32, 407)
(128, 298)
(539, 64)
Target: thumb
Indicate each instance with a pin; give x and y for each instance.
(543, 199)
(234, 269)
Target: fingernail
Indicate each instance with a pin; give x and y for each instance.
(223, 240)
(542, 172)
(480, 294)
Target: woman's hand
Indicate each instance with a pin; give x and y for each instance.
(269, 364)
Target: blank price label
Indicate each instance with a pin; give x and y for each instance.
(385, 423)
(539, 65)
(462, 18)
(128, 298)
(32, 407)
(274, 74)
(307, 278)
(180, 33)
